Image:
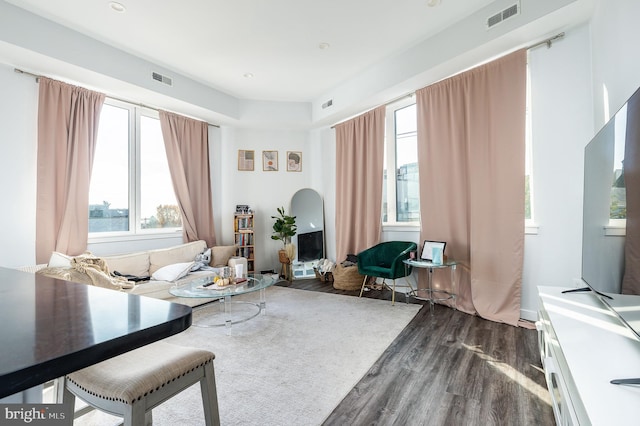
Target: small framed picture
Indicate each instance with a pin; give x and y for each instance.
(270, 161)
(245, 160)
(294, 161)
(427, 249)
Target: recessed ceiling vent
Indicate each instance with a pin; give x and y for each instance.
(503, 15)
(327, 104)
(162, 78)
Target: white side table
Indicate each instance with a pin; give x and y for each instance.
(433, 295)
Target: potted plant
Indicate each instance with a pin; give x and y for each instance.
(284, 228)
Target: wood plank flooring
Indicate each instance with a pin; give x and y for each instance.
(449, 368)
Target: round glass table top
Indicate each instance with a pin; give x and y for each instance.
(421, 263)
(199, 287)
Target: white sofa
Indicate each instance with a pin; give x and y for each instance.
(149, 263)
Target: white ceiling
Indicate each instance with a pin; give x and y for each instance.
(218, 42)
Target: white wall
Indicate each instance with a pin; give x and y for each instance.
(564, 97)
(593, 71)
(561, 126)
(18, 124)
(263, 191)
(616, 62)
(323, 147)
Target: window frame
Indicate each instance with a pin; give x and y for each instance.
(135, 232)
(530, 225)
(390, 164)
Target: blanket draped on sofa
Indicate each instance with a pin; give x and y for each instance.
(88, 269)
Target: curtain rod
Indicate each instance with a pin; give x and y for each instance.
(394, 100)
(37, 77)
(548, 42)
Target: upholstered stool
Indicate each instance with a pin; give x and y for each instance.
(132, 384)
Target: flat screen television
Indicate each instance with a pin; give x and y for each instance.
(611, 216)
(310, 246)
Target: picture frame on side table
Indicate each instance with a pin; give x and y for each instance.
(294, 161)
(270, 161)
(427, 249)
(246, 160)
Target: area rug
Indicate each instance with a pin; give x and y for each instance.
(291, 366)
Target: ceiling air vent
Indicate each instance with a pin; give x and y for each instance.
(503, 15)
(327, 104)
(162, 78)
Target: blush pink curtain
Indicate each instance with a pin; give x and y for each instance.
(187, 144)
(359, 165)
(471, 152)
(68, 118)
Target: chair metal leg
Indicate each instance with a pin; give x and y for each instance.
(406, 295)
(393, 293)
(364, 281)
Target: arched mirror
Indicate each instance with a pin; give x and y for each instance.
(308, 208)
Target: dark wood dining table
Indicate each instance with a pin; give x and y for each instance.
(51, 327)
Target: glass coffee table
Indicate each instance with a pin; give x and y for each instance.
(205, 289)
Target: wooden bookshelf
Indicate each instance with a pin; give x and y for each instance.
(243, 228)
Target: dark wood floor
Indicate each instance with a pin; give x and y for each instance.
(449, 368)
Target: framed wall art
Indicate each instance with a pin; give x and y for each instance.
(246, 160)
(294, 161)
(270, 161)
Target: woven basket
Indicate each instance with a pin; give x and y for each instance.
(325, 277)
(347, 278)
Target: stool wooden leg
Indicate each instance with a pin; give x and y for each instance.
(209, 396)
(135, 414)
(66, 398)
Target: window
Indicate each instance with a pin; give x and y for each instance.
(401, 196)
(401, 201)
(618, 204)
(131, 190)
(528, 180)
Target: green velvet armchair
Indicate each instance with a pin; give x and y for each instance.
(385, 260)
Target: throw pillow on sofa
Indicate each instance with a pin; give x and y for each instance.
(172, 272)
(181, 253)
(220, 255)
(136, 264)
(59, 260)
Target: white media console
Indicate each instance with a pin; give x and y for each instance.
(583, 346)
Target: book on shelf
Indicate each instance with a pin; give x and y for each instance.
(244, 223)
(244, 239)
